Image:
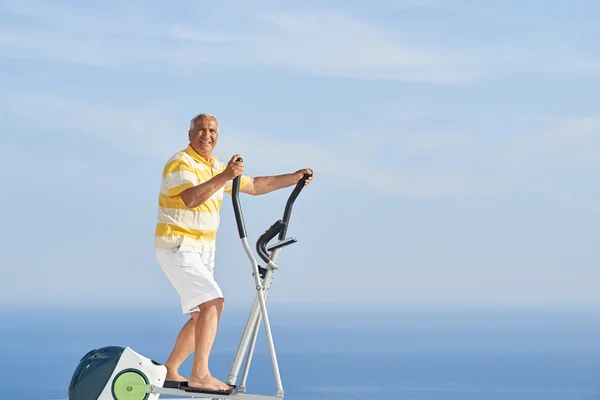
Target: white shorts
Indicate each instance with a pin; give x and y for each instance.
(190, 270)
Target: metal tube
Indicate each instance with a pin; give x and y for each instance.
(237, 361)
(252, 324)
(267, 324)
(256, 323)
(269, 281)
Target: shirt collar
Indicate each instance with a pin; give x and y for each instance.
(194, 154)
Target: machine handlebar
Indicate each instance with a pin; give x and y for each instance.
(261, 243)
(237, 209)
(290, 203)
(280, 227)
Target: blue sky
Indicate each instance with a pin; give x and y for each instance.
(456, 146)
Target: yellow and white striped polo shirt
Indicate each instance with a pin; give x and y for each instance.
(177, 224)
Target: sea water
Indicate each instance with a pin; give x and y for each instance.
(331, 353)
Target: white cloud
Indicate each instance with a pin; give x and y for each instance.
(566, 145)
(149, 132)
(364, 172)
(548, 21)
(322, 43)
(337, 45)
(432, 142)
(138, 131)
(24, 172)
(501, 164)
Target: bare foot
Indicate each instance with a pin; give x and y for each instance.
(174, 376)
(207, 382)
(222, 385)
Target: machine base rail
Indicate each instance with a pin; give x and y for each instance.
(208, 395)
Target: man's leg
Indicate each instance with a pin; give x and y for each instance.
(206, 324)
(184, 346)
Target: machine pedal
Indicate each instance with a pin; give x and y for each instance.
(184, 386)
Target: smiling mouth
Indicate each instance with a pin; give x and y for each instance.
(205, 142)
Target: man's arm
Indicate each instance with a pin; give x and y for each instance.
(196, 195)
(265, 184)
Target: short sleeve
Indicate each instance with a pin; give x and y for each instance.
(243, 182)
(179, 176)
(228, 188)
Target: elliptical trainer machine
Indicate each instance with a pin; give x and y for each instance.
(120, 373)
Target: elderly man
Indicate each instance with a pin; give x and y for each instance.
(191, 195)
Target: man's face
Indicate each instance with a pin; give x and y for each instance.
(203, 136)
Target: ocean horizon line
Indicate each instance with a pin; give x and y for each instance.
(279, 305)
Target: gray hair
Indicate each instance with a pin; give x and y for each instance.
(201, 116)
